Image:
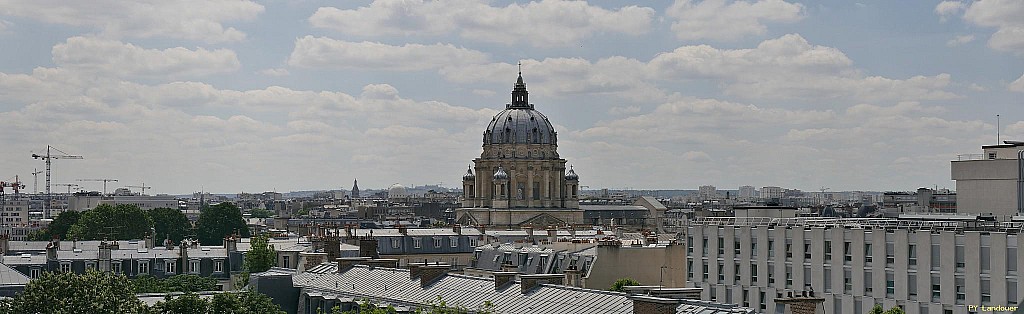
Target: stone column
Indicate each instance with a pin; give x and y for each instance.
(529, 186)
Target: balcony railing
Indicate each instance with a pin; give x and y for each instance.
(962, 157)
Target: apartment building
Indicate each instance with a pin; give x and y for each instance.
(934, 266)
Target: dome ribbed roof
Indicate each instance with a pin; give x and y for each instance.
(571, 175)
(520, 123)
(469, 175)
(500, 174)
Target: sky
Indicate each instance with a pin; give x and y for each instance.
(251, 96)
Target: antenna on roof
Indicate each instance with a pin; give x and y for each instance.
(998, 138)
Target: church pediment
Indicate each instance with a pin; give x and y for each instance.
(543, 220)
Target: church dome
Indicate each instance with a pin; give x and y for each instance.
(397, 190)
(500, 174)
(520, 123)
(571, 175)
(469, 176)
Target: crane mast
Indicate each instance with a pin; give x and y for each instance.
(48, 158)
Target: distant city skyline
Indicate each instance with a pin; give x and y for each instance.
(235, 96)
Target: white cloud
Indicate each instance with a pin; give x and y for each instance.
(274, 72)
(188, 19)
(1006, 16)
(321, 52)
(945, 9)
(1018, 85)
(782, 68)
(960, 40)
(791, 68)
(729, 20)
(111, 57)
(544, 23)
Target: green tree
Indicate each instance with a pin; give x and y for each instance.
(188, 303)
(60, 226)
(170, 223)
(620, 285)
(895, 310)
(65, 293)
(243, 302)
(176, 283)
(119, 222)
(877, 309)
(216, 222)
(261, 255)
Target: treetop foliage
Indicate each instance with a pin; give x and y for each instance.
(217, 221)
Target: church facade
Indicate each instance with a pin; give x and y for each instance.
(519, 178)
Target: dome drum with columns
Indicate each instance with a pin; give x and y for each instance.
(519, 167)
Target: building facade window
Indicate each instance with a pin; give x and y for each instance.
(986, 291)
(286, 261)
(417, 242)
(936, 256)
(396, 243)
(868, 285)
(847, 282)
(890, 284)
(193, 266)
(90, 265)
(771, 248)
(736, 273)
(890, 254)
(115, 267)
(65, 267)
(959, 257)
(705, 276)
(936, 289)
(721, 247)
(218, 266)
(143, 267)
(34, 272)
(437, 242)
(807, 252)
(753, 274)
(170, 266)
(736, 248)
(828, 251)
(453, 241)
(721, 272)
(867, 253)
(847, 253)
(473, 242)
(912, 255)
(961, 290)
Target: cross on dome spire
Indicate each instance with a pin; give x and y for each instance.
(520, 97)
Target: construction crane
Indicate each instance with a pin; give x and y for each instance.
(142, 188)
(15, 185)
(69, 185)
(104, 183)
(35, 180)
(48, 158)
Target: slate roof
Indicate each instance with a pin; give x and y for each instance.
(11, 277)
(393, 286)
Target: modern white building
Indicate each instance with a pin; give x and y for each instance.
(772, 192)
(707, 192)
(988, 182)
(747, 192)
(924, 266)
(86, 201)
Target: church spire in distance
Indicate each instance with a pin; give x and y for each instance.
(520, 97)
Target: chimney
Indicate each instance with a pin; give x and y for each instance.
(5, 244)
(801, 304)
(368, 247)
(183, 252)
(530, 282)
(643, 304)
(428, 274)
(503, 278)
(382, 262)
(230, 244)
(403, 230)
(552, 235)
(457, 229)
(103, 255)
(346, 263)
(51, 251)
